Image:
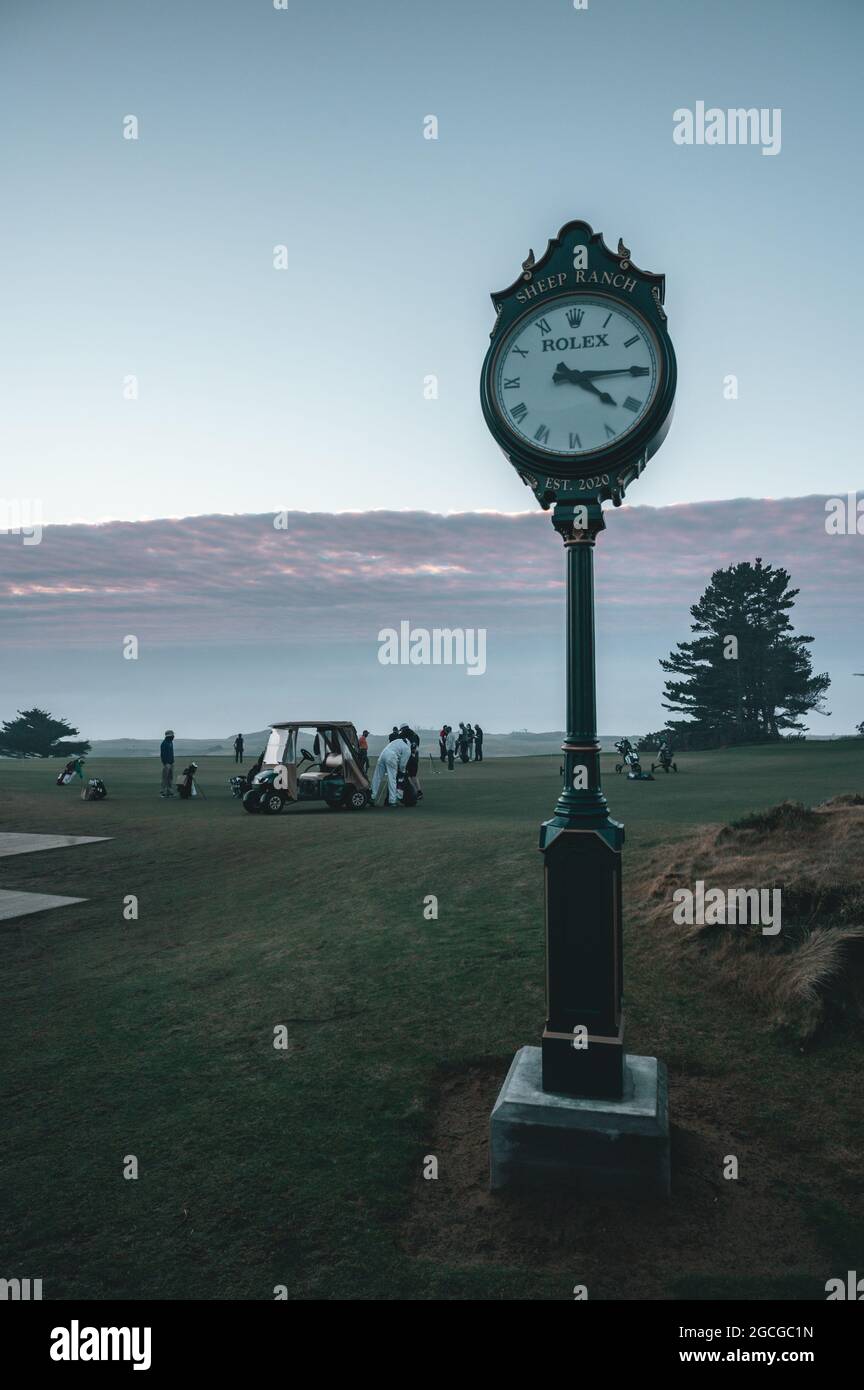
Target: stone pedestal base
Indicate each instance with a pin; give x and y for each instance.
(590, 1146)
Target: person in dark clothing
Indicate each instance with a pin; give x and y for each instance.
(442, 743)
(238, 749)
(413, 765)
(478, 744)
(413, 791)
(363, 743)
(166, 753)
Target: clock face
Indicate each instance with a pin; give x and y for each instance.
(576, 375)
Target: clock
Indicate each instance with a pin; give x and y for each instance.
(576, 376)
(578, 384)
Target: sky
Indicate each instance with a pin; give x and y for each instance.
(258, 389)
(238, 623)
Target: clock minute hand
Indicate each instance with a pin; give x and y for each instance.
(617, 371)
(565, 373)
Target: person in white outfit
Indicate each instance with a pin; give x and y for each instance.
(391, 761)
(450, 747)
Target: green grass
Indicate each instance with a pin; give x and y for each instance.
(260, 1166)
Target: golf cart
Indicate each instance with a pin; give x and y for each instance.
(291, 773)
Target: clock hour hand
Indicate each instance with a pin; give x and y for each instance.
(563, 373)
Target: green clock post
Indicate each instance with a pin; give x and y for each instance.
(578, 388)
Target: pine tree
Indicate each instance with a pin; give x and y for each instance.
(746, 676)
(37, 734)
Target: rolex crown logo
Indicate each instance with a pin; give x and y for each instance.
(575, 317)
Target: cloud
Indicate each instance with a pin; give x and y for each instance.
(239, 579)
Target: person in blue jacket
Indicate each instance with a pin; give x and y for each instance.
(166, 753)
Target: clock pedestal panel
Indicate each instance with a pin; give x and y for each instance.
(583, 1041)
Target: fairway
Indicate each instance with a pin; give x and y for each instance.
(301, 1166)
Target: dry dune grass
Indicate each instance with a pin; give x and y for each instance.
(811, 975)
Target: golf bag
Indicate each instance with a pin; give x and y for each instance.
(630, 760)
(186, 785)
(94, 790)
(405, 790)
(664, 755)
(238, 785)
(65, 777)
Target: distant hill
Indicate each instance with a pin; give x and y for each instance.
(519, 744)
(183, 747)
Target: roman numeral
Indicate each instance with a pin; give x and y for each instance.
(575, 317)
(631, 341)
(511, 383)
(543, 325)
(630, 404)
(521, 351)
(575, 441)
(610, 434)
(519, 412)
(542, 435)
(606, 320)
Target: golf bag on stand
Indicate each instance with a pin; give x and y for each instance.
(630, 759)
(665, 758)
(186, 786)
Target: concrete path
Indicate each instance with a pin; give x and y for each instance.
(27, 844)
(14, 904)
